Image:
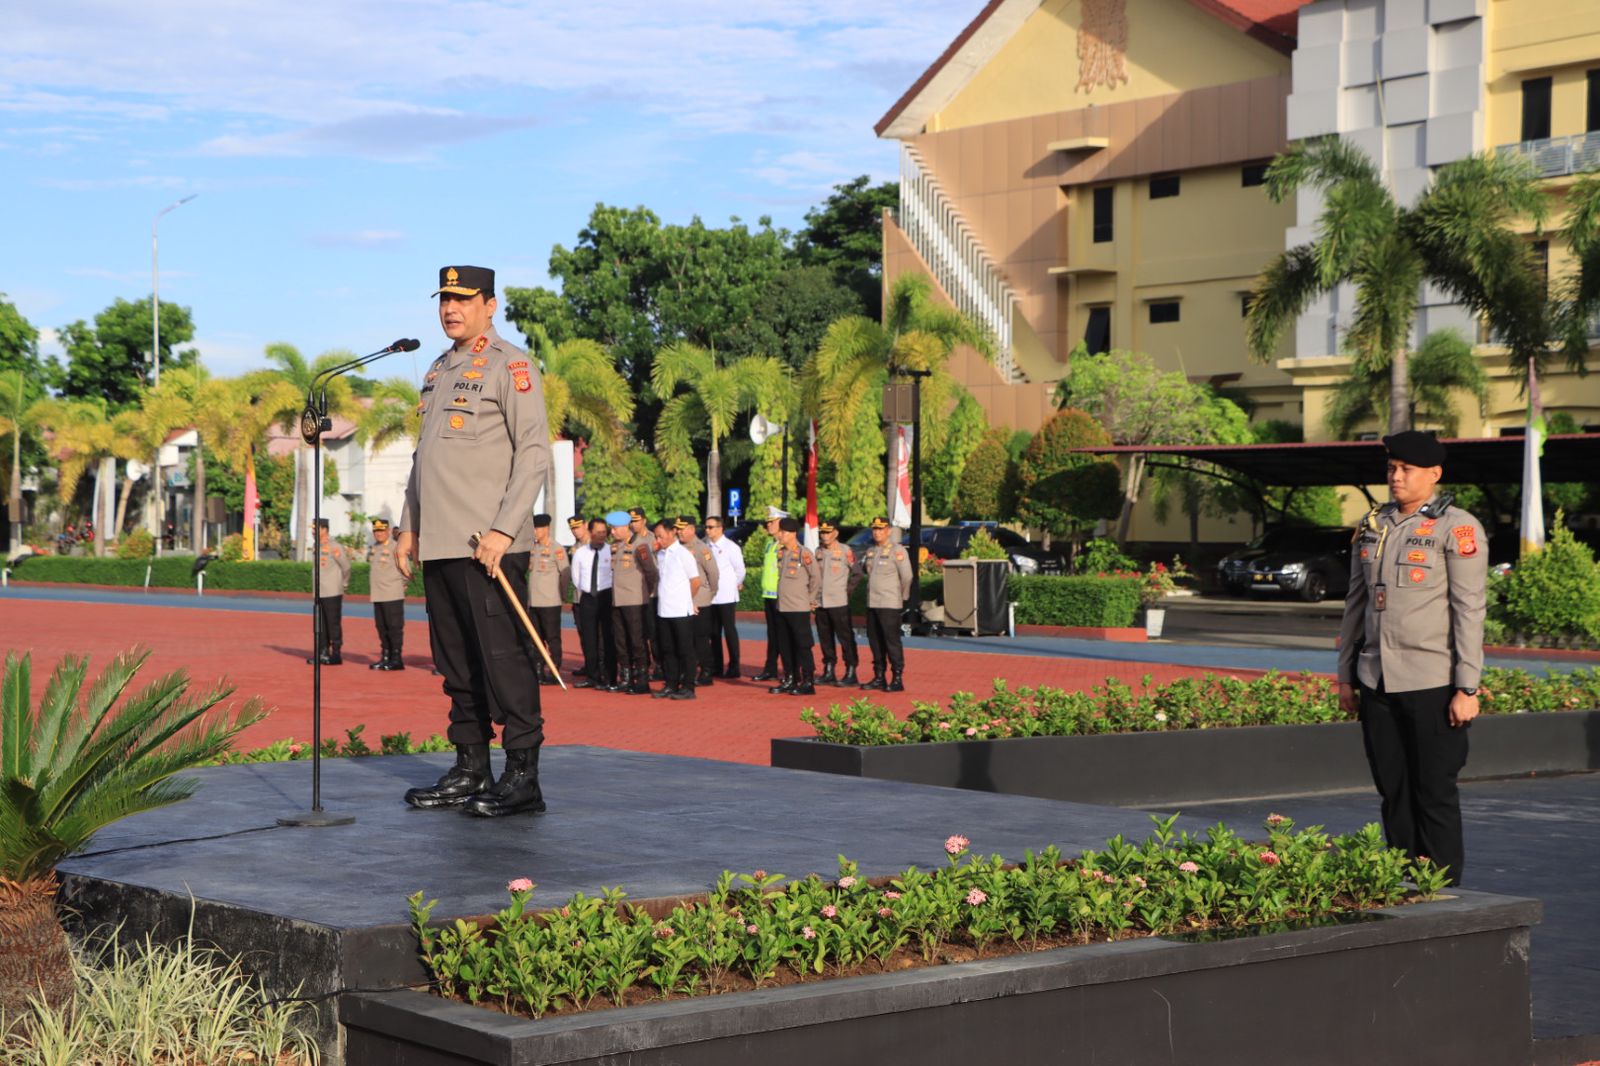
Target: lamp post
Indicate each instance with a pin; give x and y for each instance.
(155, 359)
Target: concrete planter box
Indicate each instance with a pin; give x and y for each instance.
(1442, 982)
(1194, 765)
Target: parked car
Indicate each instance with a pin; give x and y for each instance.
(949, 542)
(1312, 563)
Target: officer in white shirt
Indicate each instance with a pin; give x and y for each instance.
(591, 576)
(725, 604)
(677, 580)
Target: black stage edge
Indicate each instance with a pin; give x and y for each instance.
(327, 910)
(1187, 766)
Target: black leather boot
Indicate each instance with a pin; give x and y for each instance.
(640, 685)
(468, 777)
(545, 676)
(783, 688)
(849, 680)
(764, 675)
(517, 791)
(877, 683)
(623, 682)
(704, 678)
(804, 687)
(332, 656)
(382, 662)
(895, 683)
(731, 673)
(827, 677)
(395, 661)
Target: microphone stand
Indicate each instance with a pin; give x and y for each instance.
(314, 422)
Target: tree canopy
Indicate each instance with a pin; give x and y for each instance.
(110, 359)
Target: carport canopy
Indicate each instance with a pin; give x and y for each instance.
(1468, 460)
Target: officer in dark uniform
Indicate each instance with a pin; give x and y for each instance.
(386, 590)
(1411, 649)
(482, 457)
(333, 571)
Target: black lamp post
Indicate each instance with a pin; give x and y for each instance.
(914, 603)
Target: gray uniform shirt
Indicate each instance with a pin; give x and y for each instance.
(633, 573)
(333, 559)
(837, 567)
(799, 582)
(549, 578)
(709, 574)
(484, 450)
(1429, 633)
(384, 580)
(887, 569)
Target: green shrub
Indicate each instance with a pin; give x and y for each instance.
(176, 572)
(984, 546)
(136, 545)
(231, 550)
(1051, 600)
(1552, 593)
(1103, 556)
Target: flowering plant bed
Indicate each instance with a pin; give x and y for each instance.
(1196, 920)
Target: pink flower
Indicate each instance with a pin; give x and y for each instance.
(752, 929)
(847, 882)
(972, 731)
(1270, 858)
(891, 895)
(663, 930)
(884, 912)
(944, 725)
(830, 911)
(808, 932)
(521, 884)
(955, 845)
(760, 875)
(295, 749)
(1189, 867)
(1276, 819)
(977, 897)
(1136, 879)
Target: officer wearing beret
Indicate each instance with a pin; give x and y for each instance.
(887, 570)
(333, 567)
(549, 586)
(799, 585)
(482, 456)
(386, 589)
(705, 626)
(1411, 649)
(837, 565)
(633, 584)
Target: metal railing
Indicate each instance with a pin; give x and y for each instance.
(1554, 156)
(958, 261)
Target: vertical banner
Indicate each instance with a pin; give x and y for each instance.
(900, 506)
(252, 504)
(1532, 487)
(811, 537)
(563, 481)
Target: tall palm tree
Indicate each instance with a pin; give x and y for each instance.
(714, 395)
(392, 416)
(1441, 366)
(857, 356)
(585, 395)
(14, 422)
(81, 436)
(341, 401)
(1460, 236)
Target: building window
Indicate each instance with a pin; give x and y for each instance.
(1594, 102)
(1536, 109)
(1097, 337)
(1163, 311)
(1163, 185)
(1102, 214)
(1253, 174)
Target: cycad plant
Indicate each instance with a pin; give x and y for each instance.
(69, 768)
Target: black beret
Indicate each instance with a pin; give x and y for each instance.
(322, 523)
(1415, 447)
(466, 281)
(789, 525)
(540, 521)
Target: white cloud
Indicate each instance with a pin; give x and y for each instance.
(364, 239)
(399, 136)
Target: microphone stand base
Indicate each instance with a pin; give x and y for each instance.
(316, 819)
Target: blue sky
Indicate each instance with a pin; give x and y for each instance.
(343, 151)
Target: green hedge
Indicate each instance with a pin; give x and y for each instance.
(176, 571)
(1049, 600)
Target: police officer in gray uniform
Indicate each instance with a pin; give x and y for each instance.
(799, 585)
(386, 590)
(705, 624)
(333, 567)
(482, 457)
(633, 584)
(1411, 649)
(837, 565)
(549, 588)
(887, 570)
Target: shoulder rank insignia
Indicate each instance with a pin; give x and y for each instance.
(480, 344)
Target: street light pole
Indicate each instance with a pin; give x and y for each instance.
(915, 546)
(155, 359)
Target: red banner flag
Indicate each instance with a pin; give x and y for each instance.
(811, 537)
(252, 504)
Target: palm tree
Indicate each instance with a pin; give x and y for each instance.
(69, 769)
(81, 436)
(714, 397)
(392, 416)
(14, 421)
(1443, 364)
(846, 374)
(1460, 236)
(341, 401)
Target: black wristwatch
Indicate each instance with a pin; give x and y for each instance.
(1467, 691)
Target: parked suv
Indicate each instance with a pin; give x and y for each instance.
(1312, 563)
(948, 542)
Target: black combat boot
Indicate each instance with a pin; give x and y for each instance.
(517, 791)
(731, 673)
(704, 678)
(382, 662)
(545, 676)
(877, 683)
(468, 777)
(784, 687)
(827, 677)
(896, 682)
(640, 685)
(764, 675)
(623, 682)
(395, 661)
(332, 657)
(849, 680)
(804, 686)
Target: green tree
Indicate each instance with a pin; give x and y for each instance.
(22, 382)
(1050, 453)
(111, 358)
(845, 234)
(392, 416)
(584, 395)
(300, 373)
(19, 343)
(988, 487)
(1443, 365)
(942, 470)
(794, 310)
(1199, 490)
(629, 476)
(1460, 236)
(80, 435)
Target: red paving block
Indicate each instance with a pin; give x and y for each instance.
(264, 654)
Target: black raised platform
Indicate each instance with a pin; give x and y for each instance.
(325, 909)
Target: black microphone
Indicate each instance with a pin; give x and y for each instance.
(405, 345)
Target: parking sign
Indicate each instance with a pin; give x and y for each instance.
(735, 503)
